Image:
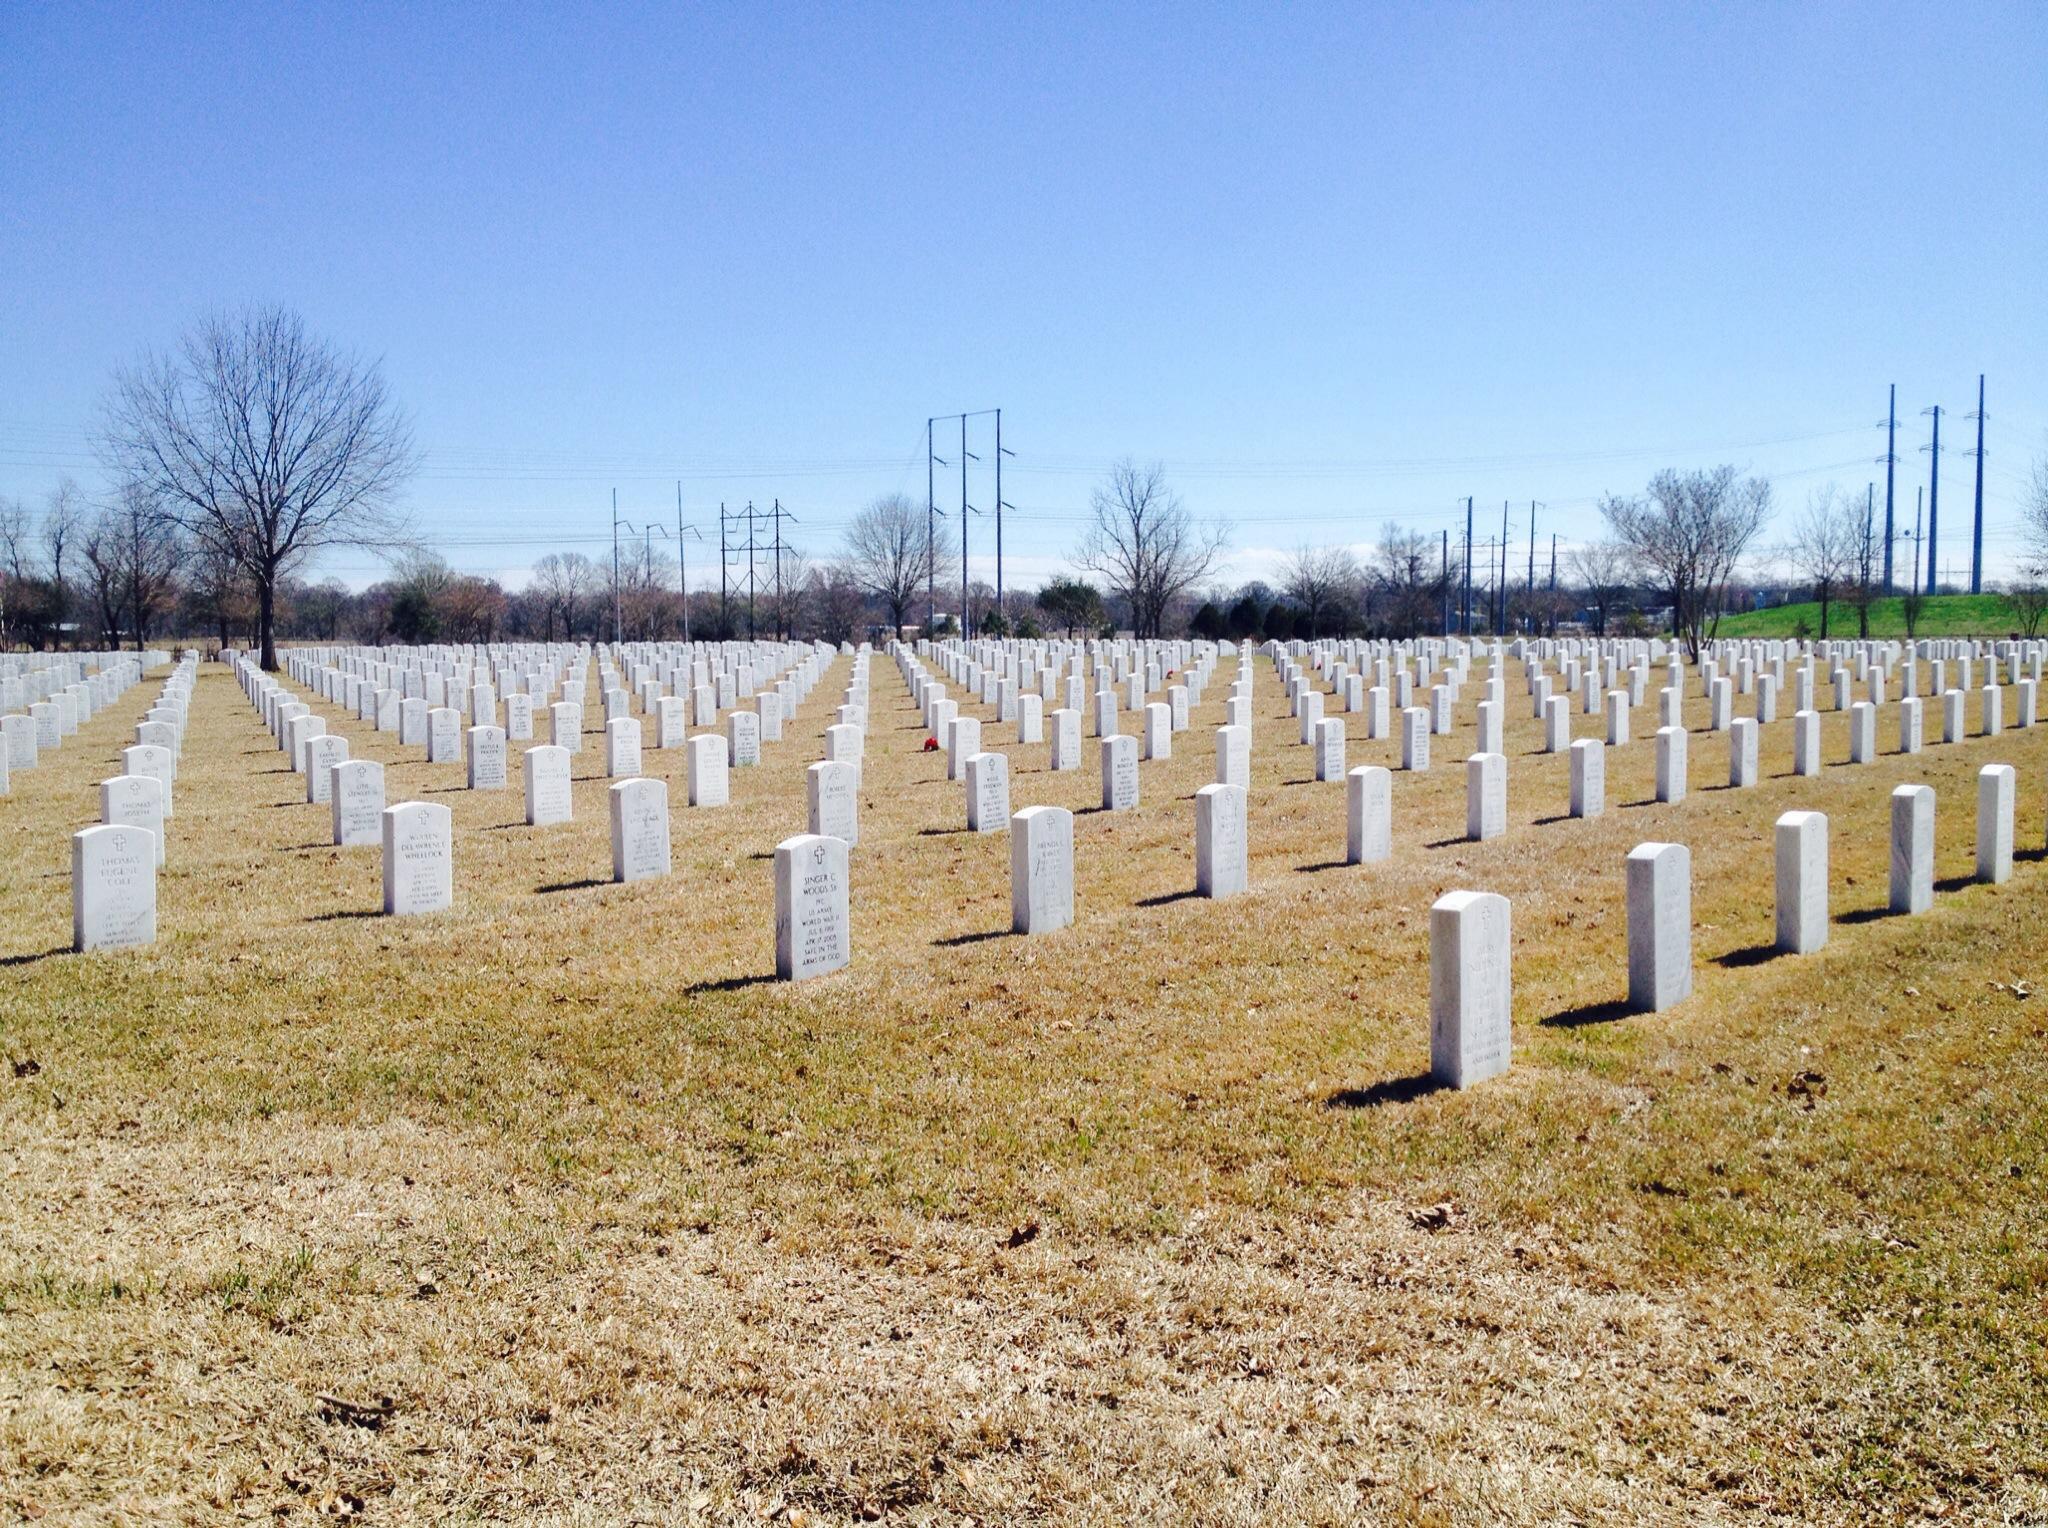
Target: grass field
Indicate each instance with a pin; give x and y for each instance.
(1942, 615)
(553, 1208)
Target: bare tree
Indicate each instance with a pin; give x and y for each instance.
(1408, 570)
(1604, 571)
(2034, 520)
(1827, 540)
(1318, 578)
(836, 602)
(564, 581)
(1860, 585)
(134, 553)
(1145, 544)
(217, 593)
(99, 544)
(891, 551)
(2028, 598)
(17, 555)
(263, 443)
(322, 606)
(63, 523)
(1689, 532)
(788, 591)
(472, 608)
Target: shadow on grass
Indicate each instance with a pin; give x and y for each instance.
(582, 885)
(1867, 915)
(1447, 843)
(940, 832)
(1751, 955)
(346, 913)
(1589, 1013)
(29, 960)
(1544, 822)
(1167, 897)
(729, 984)
(1395, 1090)
(1955, 882)
(981, 938)
(1320, 865)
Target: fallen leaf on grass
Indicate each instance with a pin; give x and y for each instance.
(334, 1408)
(1436, 1217)
(1810, 1086)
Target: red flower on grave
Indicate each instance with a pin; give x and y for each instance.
(931, 745)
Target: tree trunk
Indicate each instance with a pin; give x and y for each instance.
(266, 601)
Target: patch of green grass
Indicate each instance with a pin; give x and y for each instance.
(1942, 615)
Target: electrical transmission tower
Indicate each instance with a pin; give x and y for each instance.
(728, 551)
(1977, 532)
(932, 511)
(779, 514)
(1933, 450)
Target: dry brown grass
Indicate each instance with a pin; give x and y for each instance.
(551, 1208)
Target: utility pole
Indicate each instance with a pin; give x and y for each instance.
(931, 536)
(1933, 451)
(1977, 535)
(1444, 580)
(1530, 589)
(781, 594)
(1550, 623)
(1890, 460)
(1466, 618)
(683, 557)
(1001, 452)
(966, 628)
(617, 620)
(1500, 622)
(724, 563)
(753, 555)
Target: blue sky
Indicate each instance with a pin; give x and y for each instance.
(1330, 265)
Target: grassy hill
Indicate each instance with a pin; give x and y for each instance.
(1943, 615)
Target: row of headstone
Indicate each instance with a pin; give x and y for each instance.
(1470, 981)
(417, 846)
(46, 698)
(114, 863)
(514, 687)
